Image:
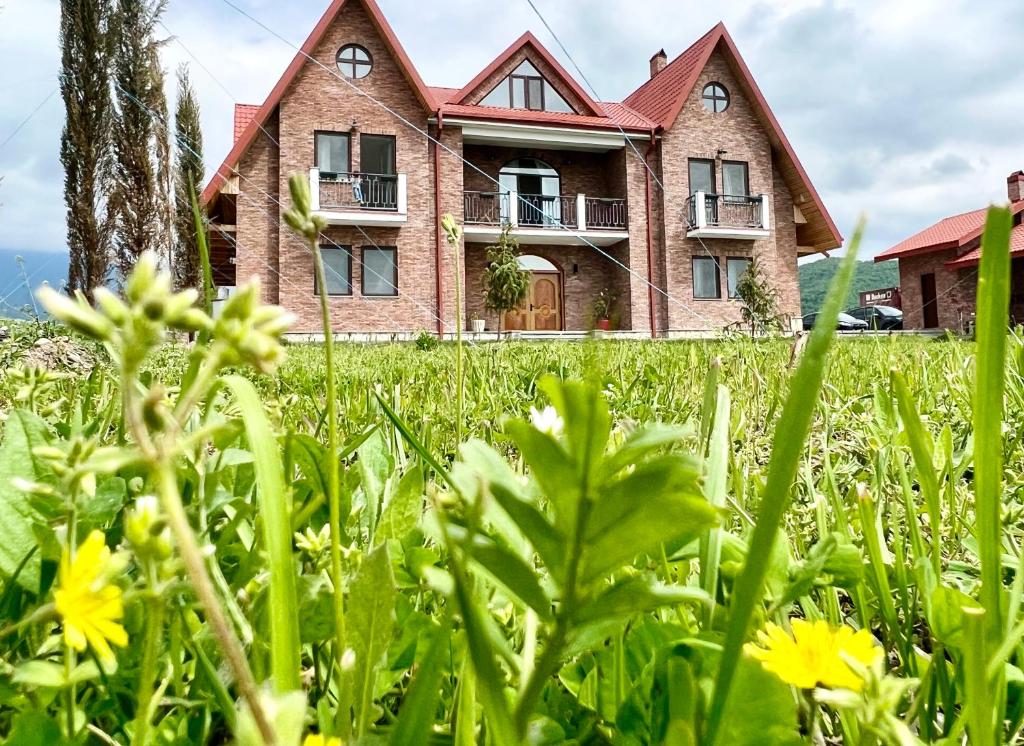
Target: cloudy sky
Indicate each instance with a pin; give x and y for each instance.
(904, 110)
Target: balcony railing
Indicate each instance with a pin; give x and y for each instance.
(346, 196)
(356, 191)
(727, 215)
(544, 211)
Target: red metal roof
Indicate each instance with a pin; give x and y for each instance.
(244, 114)
(243, 141)
(953, 232)
(971, 258)
(661, 98)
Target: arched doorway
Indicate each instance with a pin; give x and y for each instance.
(541, 310)
(538, 190)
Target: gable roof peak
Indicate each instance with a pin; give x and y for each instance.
(303, 56)
(527, 39)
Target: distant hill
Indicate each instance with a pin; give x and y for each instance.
(815, 278)
(38, 267)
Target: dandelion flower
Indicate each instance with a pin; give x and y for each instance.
(90, 606)
(815, 654)
(316, 739)
(547, 421)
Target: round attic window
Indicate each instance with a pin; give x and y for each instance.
(354, 61)
(715, 98)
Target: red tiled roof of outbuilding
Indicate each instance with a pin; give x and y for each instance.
(953, 232)
(972, 257)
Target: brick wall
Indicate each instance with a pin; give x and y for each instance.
(318, 100)
(700, 134)
(593, 174)
(583, 273)
(955, 291)
(257, 213)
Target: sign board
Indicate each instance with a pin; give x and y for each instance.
(882, 297)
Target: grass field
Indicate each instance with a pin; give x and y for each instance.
(729, 542)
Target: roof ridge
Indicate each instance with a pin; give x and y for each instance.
(650, 81)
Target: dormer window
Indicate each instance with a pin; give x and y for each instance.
(526, 88)
(354, 61)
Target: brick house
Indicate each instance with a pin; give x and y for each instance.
(661, 199)
(939, 267)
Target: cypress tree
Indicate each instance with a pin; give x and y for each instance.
(86, 41)
(141, 153)
(188, 176)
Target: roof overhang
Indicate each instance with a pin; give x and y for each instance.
(482, 132)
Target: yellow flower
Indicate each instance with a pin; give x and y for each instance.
(813, 656)
(90, 606)
(315, 739)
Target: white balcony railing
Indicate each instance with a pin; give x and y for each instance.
(728, 216)
(358, 198)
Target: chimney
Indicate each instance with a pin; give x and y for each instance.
(658, 62)
(1015, 186)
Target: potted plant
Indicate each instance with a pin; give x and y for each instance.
(603, 304)
(506, 284)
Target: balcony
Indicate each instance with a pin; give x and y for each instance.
(728, 216)
(563, 220)
(359, 199)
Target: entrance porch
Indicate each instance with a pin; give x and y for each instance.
(565, 282)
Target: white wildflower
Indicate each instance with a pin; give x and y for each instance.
(547, 421)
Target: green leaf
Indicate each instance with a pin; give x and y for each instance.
(512, 572)
(544, 537)
(403, 511)
(552, 469)
(22, 432)
(762, 709)
(47, 675)
(375, 466)
(371, 620)
(35, 729)
(640, 444)
(659, 502)
(791, 433)
(989, 386)
(419, 707)
(635, 595)
(276, 512)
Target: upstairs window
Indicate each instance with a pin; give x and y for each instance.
(702, 176)
(526, 88)
(354, 61)
(735, 181)
(332, 153)
(715, 98)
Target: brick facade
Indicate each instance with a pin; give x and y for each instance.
(657, 250)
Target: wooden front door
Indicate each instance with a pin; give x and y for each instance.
(929, 301)
(541, 311)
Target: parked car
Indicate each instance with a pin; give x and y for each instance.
(845, 323)
(879, 317)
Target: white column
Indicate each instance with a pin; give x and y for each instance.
(403, 194)
(513, 208)
(766, 222)
(314, 189)
(581, 212)
(700, 211)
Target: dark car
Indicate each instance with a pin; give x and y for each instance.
(883, 318)
(845, 323)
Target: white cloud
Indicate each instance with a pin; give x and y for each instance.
(905, 111)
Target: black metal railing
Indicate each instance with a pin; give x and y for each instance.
(606, 213)
(357, 191)
(546, 210)
(485, 208)
(543, 210)
(727, 211)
